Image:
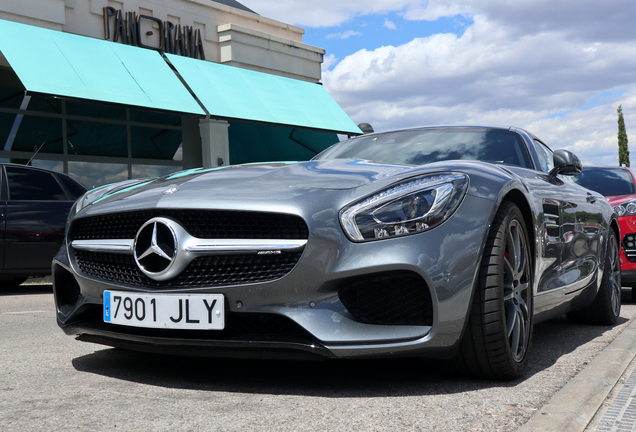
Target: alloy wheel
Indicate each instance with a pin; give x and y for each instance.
(517, 289)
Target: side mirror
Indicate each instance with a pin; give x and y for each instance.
(566, 163)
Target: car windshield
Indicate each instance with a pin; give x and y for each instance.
(423, 146)
(607, 181)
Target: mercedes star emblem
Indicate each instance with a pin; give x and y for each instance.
(156, 248)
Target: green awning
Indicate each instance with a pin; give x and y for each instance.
(52, 62)
(63, 64)
(234, 93)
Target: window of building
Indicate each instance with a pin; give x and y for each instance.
(101, 111)
(94, 174)
(155, 143)
(52, 165)
(96, 139)
(72, 189)
(30, 133)
(139, 171)
(95, 143)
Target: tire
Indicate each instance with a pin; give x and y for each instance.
(634, 294)
(499, 329)
(12, 283)
(606, 307)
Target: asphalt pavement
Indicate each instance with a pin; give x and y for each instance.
(579, 379)
(574, 407)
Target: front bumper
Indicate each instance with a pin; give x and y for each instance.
(302, 313)
(628, 250)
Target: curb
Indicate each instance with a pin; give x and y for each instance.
(572, 408)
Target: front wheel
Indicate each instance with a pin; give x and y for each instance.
(499, 329)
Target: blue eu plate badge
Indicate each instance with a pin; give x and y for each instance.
(106, 306)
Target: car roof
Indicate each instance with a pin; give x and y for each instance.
(31, 167)
(10, 164)
(490, 127)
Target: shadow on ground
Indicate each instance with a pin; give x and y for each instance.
(332, 378)
(27, 290)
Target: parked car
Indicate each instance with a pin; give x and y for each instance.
(34, 204)
(617, 184)
(449, 242)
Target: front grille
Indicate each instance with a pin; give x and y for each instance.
(391, 299)
(212, 270)
(629, 246)
(207, 224)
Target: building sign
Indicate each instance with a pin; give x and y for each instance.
(174, 39)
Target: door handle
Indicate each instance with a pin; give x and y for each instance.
(591, 198)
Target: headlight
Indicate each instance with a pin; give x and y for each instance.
(626, 208)
(410, 207)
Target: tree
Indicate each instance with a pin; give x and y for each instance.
(623, 150)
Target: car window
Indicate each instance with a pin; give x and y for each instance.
(28, 184)
(75, 189)
(418, 147)
(607, 181)
(546, 158)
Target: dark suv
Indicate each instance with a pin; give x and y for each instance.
(34, 204)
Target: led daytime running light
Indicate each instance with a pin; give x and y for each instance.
(442, 189)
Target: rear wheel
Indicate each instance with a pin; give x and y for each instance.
(499, 331)
(607, 305)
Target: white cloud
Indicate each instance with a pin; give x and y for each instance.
(326, 13)
(389, 24)
(519, 63)
(433, 10)
(328, 61)
(343, 35)
(495, 74)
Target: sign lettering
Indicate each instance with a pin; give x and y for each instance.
(173, 39)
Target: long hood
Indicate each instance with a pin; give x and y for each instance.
(272, 186)
(329, 174)
(244, 186)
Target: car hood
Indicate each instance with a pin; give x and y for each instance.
(328, 174)
(274, 186)
(619, 199)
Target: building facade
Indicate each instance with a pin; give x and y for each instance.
(107, 90)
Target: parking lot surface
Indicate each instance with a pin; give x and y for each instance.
(49, 381)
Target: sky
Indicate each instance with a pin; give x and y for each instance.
(557, 68)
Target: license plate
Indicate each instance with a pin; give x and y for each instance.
(171, 311)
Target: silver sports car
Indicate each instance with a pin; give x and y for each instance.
(446, 242)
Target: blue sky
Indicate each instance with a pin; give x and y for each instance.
(601, 99)
(559, 69)
(374, 31)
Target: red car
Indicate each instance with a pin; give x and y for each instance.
(618, 185)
